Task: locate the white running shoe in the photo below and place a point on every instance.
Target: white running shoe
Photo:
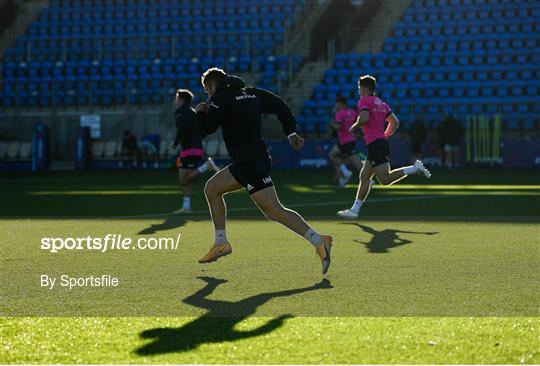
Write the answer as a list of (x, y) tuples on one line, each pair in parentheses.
[(211, 165), (182, 211), (345, 179), (421, 169), (348, 214)]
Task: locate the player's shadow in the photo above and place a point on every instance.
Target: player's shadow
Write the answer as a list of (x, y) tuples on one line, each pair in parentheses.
[(171, 222), (382, 241), (217, 325)]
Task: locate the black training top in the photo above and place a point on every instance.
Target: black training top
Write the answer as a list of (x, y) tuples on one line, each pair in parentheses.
[(187, 131), (238, 110)]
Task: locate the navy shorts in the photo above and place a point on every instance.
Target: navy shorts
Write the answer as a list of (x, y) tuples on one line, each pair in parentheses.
[(254, 175)]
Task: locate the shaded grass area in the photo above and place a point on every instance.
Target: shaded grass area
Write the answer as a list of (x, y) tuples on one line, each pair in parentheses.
[(297, 340), (121, 193)]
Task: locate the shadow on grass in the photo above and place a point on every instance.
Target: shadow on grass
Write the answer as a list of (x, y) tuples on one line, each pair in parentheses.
[(383, 241), (217, 325), (170, 222)]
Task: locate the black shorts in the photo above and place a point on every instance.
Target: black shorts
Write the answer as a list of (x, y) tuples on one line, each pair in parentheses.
[(347, 150), (188, 162), (378, 152), (253, 175)]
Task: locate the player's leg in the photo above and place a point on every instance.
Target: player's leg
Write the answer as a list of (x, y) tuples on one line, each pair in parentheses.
[(269, 203), (364, 186), (218, 185), (334, 157), (345, 151), (356, 162), (185, 184), (387, 177)]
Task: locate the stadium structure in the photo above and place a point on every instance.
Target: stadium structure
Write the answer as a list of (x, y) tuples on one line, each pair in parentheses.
[(115, 65)]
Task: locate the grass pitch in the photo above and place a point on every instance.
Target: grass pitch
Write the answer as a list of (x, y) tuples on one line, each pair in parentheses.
[(440, 271)]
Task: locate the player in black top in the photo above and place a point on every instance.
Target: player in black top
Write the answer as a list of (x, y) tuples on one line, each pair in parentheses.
[(238, 111), (189, 137)]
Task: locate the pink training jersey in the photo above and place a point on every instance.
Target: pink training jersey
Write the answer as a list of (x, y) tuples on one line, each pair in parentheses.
[(346, 118), (378, 111)]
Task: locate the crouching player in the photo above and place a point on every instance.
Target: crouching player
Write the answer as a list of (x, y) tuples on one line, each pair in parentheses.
[(373, 114), (189, 137)]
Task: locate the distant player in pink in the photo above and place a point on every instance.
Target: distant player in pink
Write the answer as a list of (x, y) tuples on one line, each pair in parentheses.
[(344, 152), (373, 116)]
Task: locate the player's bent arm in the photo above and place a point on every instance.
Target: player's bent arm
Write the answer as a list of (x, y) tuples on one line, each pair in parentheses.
[(210, 121), (361, 120), (393, 124), (272, 103)]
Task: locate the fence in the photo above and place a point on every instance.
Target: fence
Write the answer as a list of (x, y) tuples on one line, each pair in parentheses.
[(483, 139)]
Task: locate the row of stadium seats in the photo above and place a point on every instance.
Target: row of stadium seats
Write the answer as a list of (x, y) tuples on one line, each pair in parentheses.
[(145, 47), (15, 150), (60, 30), (433, 43), (527, 25), (433, 68), (474, 61), (133, 82), (110, 150), (155, 30), (419, 5), (138, 69), (435, 90), (227, 6)]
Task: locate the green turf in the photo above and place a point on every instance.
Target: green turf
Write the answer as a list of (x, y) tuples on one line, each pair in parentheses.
[(445, 272)]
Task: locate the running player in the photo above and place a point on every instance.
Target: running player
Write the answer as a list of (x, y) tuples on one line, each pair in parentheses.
[(373, 113), (189, 137), (238, 111), (344, 152)]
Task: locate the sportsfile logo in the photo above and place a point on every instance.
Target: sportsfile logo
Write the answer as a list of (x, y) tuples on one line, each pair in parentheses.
[(108, 242)]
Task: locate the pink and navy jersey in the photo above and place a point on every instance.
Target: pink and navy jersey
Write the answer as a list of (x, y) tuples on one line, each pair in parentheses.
[(378, 111), (346, 118)]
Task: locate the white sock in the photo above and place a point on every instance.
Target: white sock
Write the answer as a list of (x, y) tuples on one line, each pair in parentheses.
[(187, 203), (344, 169), (313, 237), (410, 170), (356, 206), (221, 237), (203, 168)]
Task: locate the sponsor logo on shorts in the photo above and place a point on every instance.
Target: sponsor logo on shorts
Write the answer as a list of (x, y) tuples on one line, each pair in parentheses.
[(267, 180), (249, 187)]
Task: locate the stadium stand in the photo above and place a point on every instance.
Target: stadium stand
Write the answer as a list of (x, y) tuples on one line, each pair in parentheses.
[(137, 52), (447, 56), (15, 151)]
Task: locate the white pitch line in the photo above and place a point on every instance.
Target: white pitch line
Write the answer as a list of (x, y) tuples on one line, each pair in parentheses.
[(297, 205)]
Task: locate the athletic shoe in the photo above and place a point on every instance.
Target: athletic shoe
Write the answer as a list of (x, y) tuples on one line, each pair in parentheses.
[(323, 251), (211, 165), (345, 179), (216, 252), (348, 214), (421, 169), (182, 211)]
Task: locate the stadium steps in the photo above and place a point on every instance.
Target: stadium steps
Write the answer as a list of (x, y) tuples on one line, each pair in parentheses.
[(372, 36), (296, 40), (29, 11), (298, 90)]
